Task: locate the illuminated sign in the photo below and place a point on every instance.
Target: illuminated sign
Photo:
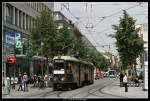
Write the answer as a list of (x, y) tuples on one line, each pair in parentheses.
[(11, 59)]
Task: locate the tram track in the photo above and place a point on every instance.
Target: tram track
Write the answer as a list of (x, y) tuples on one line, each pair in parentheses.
[(91, 91)]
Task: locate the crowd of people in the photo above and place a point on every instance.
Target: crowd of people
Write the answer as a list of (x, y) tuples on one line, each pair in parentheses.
[(40, 81), (137, 79)]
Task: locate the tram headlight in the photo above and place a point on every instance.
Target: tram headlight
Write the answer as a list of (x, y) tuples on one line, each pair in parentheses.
[(62, 79)]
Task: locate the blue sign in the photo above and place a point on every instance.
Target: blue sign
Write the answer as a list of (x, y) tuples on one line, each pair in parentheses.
[(17, 36), (18, 40), (10, 39)]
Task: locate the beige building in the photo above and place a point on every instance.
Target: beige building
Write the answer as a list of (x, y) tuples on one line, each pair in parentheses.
[(143, 33)]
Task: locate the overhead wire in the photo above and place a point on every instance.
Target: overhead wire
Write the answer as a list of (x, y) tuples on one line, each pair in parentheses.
[(104, 17)]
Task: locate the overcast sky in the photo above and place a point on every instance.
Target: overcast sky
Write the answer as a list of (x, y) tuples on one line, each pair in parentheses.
[(101, 15)]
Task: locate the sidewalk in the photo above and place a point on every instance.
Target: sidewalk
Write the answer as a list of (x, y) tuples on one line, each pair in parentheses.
[(133, 92), (31, 91)]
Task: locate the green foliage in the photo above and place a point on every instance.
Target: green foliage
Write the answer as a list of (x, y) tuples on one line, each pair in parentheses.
[(43, 35), (48, 41), (65, 41), (129, 44)]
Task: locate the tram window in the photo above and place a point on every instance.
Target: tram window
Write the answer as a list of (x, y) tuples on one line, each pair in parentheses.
[(58, 66), (68, 68)]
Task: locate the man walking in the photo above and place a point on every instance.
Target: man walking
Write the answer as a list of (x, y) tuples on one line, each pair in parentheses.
[(125, 81), (20, 80), (121, 79)]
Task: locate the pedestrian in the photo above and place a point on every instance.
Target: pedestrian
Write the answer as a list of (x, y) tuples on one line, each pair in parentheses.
[(46, 80), (39, 80), (34, 80), (20, 80), (25, 81), (136, 81), (8, 87), (125, 82), (121, 79)]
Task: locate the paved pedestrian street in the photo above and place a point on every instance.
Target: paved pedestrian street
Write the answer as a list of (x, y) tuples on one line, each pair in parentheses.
[(102, 88)]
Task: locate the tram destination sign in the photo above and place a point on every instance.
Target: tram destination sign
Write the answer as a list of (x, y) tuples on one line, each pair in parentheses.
[(58, 60)]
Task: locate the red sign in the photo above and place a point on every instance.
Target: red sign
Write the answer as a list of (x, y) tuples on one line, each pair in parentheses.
[(11, 59)]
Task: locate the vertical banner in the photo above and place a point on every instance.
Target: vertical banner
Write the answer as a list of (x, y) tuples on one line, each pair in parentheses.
[(10, 39), (18, 40)]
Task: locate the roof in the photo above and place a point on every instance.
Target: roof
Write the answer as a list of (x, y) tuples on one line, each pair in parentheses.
[(71, 58)]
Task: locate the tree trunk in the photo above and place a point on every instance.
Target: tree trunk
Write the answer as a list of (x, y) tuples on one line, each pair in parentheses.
[(47, 67)]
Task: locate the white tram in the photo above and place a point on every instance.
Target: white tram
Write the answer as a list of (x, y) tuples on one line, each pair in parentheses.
[(70, 73)]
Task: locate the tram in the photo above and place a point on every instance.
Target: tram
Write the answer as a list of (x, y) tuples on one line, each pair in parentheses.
[(70, 73)]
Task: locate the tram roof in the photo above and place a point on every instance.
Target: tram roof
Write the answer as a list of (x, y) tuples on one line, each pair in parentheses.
[(71, 58)]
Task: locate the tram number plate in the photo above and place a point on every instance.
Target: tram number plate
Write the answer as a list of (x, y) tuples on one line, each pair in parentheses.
[(59, 72)]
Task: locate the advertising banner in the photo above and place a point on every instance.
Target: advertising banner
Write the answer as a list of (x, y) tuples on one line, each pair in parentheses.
[(10, 39), (18, 40)]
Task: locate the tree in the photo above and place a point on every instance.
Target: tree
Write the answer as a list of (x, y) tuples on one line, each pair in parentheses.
[(43, 36), (129, 44), (65, 41)]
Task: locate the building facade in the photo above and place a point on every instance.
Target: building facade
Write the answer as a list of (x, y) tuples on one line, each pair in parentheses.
[(143, 59), (18, 20)]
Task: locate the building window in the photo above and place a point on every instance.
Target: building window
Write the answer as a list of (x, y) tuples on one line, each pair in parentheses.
[(146, 56), (26, 22), (23, 20), (16, 17), (145, 27), (30, 25), (8, 17), (40, 6), (20, 19)]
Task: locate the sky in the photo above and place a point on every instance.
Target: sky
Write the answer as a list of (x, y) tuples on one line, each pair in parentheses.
[(95, 19)]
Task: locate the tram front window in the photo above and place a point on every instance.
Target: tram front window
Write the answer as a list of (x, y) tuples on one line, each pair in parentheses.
[(58, 66)]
